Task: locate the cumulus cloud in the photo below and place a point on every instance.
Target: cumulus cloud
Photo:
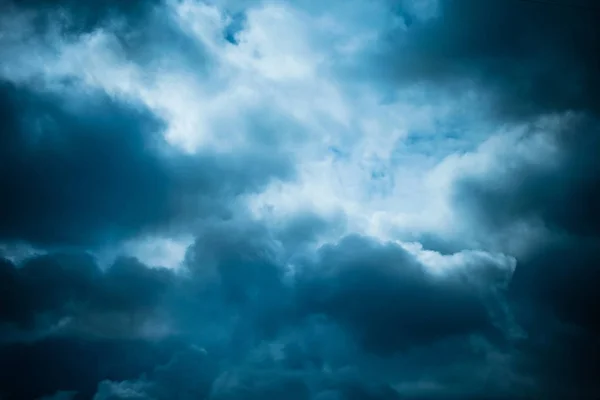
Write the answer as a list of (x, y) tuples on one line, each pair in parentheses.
[(538, 201), (100, 170), (69, 292), (298, 200), (527, 58)]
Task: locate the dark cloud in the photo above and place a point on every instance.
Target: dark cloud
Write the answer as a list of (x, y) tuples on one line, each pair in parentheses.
[(82, 169), (76, 169), (66, 324), (261, 309), (562, 192), (563, 275), (43, 368), (374, 289), (562, 197), (81, 17), (255, 386), (70, 290), (318, 362), (255, 329), (189, 374), (528, 57), (554, 289)]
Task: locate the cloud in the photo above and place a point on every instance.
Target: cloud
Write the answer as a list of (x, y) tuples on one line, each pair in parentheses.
[(98, 168), (342, 200), (260, 323), (534, 197), (68, 292), (43, 368), (373, 289), (554, 170), (544, 60), (77, 17), (60, 396), (82, 160)]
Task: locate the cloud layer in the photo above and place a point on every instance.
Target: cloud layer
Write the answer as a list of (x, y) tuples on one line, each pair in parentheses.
[(299, 200)]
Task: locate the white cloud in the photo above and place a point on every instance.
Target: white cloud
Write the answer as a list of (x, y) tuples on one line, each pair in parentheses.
[(166, 252)]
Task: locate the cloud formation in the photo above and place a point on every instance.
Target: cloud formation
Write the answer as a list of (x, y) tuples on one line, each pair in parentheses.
[(298, 200)]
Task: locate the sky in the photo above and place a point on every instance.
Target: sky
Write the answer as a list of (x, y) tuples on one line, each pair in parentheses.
[(299, 200)]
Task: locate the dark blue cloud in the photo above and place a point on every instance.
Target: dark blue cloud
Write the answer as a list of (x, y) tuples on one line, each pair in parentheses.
[(82, 17), (373, 289), (85, 169), (237, 305), (292, 307), (554, 290), (32, 370), (43, 291), (77, 169), (564, 196), (528, 57)]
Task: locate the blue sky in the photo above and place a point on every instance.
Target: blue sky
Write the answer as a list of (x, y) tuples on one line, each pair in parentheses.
[(240, 199)]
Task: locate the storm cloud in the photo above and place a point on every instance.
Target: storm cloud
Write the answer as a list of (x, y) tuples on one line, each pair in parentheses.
[(526, 58), (299, 200)]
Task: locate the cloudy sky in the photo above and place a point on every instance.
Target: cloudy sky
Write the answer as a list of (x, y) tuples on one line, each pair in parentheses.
[(299, 199)]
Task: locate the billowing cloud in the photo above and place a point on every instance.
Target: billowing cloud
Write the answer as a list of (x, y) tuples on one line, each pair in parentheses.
[(64, 292), (298, 200), (99, 169), (528, 58), (540, 201), (372, 288)]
